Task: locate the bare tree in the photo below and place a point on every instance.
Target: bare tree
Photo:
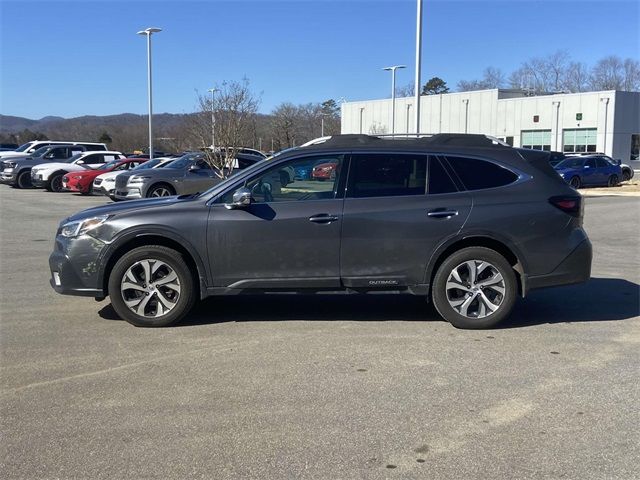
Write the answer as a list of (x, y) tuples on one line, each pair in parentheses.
[(576, 77), (608, 74), (284, 125), (492, 77), (377, 129), (234, 107), (555, 66), (631, 75), (405, 91)]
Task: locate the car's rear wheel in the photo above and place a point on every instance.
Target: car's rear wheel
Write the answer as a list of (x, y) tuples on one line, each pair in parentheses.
[(24, 180), (161, 190), (575, 182), (612, 181), (152, 286), (55, 183), (475, 288)]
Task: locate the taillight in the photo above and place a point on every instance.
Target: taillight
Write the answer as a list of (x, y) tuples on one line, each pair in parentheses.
[(571, 205)]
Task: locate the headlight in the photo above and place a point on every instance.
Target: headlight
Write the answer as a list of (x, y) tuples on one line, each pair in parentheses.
[(9, 164), (138, 179), (80, 227)]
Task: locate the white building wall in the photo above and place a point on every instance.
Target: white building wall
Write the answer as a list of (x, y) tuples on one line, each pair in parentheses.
[(615, 115)]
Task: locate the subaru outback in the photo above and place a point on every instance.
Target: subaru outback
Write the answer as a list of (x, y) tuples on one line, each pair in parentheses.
[(462, 220)]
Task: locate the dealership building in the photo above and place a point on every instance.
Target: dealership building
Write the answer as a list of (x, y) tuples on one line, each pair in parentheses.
[(607, 121)]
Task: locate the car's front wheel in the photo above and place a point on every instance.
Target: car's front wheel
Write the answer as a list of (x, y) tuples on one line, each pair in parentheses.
[(475, 288), (152, 286), (161, 190), (626, 175), (55, 183), (575, 182), (24, 180)]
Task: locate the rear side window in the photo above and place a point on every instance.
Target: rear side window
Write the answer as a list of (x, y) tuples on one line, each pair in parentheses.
[(385, 175), (94, 159), (439, 179), (478, 174)]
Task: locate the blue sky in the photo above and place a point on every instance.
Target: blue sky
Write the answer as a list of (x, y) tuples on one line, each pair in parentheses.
[(83, 57)]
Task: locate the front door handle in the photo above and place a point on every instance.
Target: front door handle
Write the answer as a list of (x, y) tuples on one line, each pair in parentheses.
[(442, 213), (323, 218)]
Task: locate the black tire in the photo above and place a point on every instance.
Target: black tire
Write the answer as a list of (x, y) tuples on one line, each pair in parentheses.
[(24, 180), (160, 189), (506, 301), (626, 175), (612, 181), (186, 279), (55, 183), (575, 182)]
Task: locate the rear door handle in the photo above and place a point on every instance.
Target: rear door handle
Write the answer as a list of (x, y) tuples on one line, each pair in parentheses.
[(442, 213), (323, 218)]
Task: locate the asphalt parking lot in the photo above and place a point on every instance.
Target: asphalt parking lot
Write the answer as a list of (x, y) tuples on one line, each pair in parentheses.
[(336, 387)]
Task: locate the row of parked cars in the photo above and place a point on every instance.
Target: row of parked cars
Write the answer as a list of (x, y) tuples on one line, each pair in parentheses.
[(89, 168)]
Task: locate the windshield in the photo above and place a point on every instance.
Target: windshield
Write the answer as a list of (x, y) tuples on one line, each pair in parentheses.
[(109, 166), (41, 151), (24, 147), (234, 178), (571, 163), (181, 162)]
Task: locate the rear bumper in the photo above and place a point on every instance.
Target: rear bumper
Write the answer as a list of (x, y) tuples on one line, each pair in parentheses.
[(575, 268)]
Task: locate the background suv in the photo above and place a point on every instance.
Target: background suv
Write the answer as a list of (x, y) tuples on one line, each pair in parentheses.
[(49, 175), (27, 149), (458, 219), (16, 171), (188, 174)]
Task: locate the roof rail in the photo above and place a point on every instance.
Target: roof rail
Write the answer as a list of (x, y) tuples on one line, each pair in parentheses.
[(455, 139)]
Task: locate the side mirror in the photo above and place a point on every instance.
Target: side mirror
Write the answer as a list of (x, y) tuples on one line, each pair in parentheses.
[(618, 161), (80, 162), (241, 199), (194, 168)]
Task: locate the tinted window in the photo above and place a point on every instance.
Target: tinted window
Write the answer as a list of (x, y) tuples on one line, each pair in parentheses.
[(591, 163), (478, 174), (601, 162), (203, 164), (93, 159), (384, 175), (439, 179)]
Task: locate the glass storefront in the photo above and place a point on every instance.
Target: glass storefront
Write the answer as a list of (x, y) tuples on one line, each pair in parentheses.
[(536, 139), (579, 140)]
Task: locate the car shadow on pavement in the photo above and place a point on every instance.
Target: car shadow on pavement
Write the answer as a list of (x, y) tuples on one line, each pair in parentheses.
[(600, 299)]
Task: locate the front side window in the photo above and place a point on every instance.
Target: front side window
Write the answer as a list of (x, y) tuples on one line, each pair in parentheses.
[(385, 175), (282, 184), (479, 174)]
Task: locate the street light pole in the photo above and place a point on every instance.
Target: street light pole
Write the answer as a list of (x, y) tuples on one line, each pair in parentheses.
[(416, 87), (213, 122), (148, 32), (393, 95)]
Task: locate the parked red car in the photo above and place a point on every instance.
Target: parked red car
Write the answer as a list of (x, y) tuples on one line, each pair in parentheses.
[(324, 171), (83, 181)]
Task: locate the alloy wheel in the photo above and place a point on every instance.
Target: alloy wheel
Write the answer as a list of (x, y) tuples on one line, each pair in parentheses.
[(150, 288), (161, 192), (475, 289)]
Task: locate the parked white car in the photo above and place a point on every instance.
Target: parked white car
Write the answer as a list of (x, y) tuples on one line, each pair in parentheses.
[(105, 184), (49, 175), (27, 149)]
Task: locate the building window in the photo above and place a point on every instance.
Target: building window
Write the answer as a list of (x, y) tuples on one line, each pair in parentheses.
[(536, 139), (635, 147), (579, 140)]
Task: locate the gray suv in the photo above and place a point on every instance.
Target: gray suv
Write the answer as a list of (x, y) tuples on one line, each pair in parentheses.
[(461, 220), (187, 174), (16, 171)]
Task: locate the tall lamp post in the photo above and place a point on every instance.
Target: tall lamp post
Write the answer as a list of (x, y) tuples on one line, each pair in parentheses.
[(416, 87), (393, 69), (148, 32), (213, 122)]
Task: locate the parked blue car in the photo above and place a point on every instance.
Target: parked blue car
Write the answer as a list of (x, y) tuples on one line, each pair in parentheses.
[(589, 170)]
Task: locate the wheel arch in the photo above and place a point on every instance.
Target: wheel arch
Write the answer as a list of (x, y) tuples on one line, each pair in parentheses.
[(158, 184), (169, 240), (502, 246)]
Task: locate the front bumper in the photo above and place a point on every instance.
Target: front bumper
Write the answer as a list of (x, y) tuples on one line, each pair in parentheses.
[(37, 180), (8, 176), (575, 268), (128, 193), (74, 266)]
